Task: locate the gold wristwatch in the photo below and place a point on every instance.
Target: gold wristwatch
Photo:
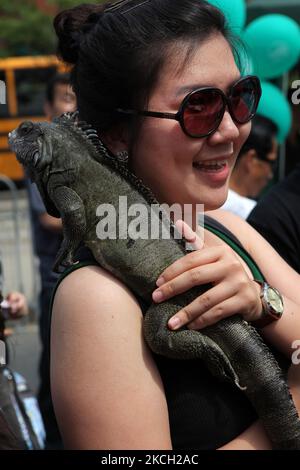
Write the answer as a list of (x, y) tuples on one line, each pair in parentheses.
[(272, 305)]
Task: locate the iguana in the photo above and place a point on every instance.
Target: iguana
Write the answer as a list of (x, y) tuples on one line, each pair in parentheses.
[(75, 173)]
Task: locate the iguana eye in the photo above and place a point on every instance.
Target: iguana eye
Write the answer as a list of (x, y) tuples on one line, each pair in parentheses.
[(25, 128)]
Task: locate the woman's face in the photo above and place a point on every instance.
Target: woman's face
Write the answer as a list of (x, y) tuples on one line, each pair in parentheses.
[(178, 168)]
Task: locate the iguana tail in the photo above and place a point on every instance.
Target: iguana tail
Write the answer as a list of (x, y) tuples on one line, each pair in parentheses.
[(233, 349)]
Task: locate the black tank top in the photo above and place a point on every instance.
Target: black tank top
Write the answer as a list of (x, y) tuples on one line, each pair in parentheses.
[(204, 413)]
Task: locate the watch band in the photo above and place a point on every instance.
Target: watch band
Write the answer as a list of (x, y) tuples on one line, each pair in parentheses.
[(264, 320)]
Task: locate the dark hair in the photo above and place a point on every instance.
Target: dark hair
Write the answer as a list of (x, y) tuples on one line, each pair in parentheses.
[(57, 79), (118, 54), (261, 137)]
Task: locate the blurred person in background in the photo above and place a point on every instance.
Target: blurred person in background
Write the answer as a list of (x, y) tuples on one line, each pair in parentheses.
[(277, 218), (277, 214), (21, 426), (60, 98), (15, 302), (293, 140), (254, 168), (47, 237), (14, 305)]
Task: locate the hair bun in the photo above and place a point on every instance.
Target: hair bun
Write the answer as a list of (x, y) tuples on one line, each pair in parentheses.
[(70, 25)]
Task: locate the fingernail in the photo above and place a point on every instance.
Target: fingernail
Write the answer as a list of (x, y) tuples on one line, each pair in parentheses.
[(160, 281), (174, 323), (157, 296)]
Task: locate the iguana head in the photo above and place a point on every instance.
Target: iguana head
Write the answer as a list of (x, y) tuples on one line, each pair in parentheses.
[(41, 145), (29, 142), (33, 144), (48, 149)]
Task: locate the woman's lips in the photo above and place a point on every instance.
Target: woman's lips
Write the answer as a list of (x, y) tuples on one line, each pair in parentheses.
[(216, 171), (211, 165)]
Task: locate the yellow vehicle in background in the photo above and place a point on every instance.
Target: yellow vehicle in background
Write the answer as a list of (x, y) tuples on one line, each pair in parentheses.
[(25, 81)]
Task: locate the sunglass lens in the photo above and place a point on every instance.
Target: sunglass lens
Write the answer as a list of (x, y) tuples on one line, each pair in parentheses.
[(202, 112), (244, 100)]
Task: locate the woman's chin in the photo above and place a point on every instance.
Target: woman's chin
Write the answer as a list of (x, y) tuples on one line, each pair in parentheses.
[(216, 201), (211, 208)]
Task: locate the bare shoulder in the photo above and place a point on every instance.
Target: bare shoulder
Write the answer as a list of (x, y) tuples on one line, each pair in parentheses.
[(91, 303), (100, 364), (238, 226), (91, 300), (82, 289)]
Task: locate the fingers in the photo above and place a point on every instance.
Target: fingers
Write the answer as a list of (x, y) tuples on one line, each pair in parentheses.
[(208, 308), (220, 302), (209, 273), (219, 312), (190, 236), (191, 260), (232, 293)]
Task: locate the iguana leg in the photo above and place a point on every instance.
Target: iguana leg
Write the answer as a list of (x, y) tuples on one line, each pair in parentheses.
[(72, 212)]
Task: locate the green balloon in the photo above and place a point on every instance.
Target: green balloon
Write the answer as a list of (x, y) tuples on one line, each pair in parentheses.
[(275, 106), (235, 12), (274, 42)]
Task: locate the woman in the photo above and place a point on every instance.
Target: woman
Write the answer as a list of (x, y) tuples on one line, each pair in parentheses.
[(149, 55)]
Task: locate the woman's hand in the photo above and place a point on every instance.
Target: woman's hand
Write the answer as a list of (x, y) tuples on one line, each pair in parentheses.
[(232, 291)]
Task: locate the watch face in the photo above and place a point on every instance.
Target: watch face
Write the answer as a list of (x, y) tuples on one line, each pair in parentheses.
[(275, 300)]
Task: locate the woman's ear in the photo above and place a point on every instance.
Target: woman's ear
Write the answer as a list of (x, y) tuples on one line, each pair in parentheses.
[(117, 139)]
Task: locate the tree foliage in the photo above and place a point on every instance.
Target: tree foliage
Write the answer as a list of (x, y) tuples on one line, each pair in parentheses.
[(26, 29)]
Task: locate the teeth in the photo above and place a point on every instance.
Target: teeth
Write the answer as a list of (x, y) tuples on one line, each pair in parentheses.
[(212, 163), (211, 166)]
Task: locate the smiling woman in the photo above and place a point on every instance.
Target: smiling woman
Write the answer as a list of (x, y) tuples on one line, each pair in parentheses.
[(168, 56)]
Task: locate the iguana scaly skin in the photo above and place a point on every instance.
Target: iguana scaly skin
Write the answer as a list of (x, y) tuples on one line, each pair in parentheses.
[(75, 174)]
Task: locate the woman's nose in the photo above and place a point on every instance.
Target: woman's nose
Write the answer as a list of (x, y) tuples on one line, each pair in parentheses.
[(226, 132)]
